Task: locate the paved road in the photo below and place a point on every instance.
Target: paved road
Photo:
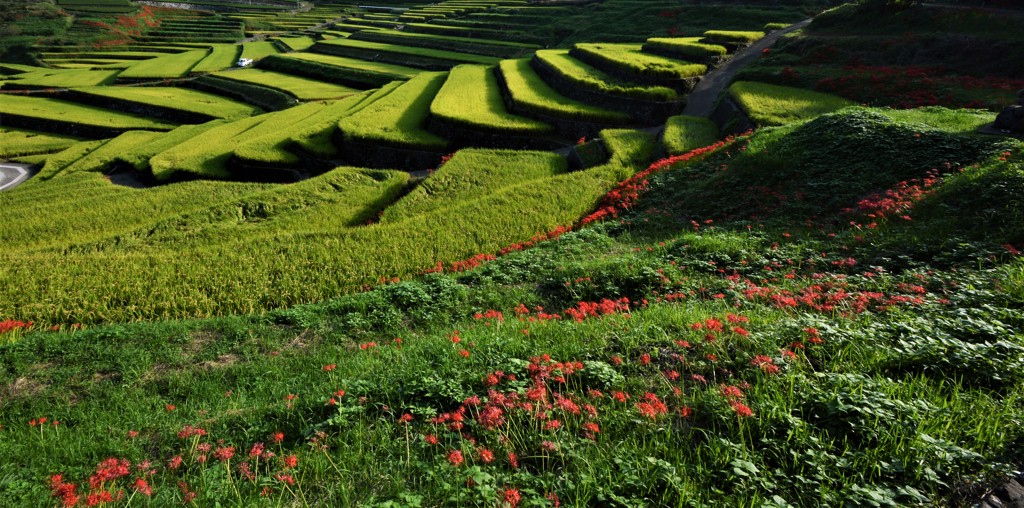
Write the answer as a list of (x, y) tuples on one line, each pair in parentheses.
[(702, 99), (13, 174)]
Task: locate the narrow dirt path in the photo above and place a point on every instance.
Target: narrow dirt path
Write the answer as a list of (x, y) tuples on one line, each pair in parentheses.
[(702, 99), (11, 175)]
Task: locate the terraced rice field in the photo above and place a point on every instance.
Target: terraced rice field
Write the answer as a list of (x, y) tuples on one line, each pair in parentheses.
[(471, 98), (302, 88)]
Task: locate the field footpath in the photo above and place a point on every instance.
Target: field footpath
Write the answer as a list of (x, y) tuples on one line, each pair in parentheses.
[(11, 175), (702, 99)]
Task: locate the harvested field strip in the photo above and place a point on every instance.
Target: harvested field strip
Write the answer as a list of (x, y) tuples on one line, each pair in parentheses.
[(182, 99), (397, 119), (222, 56), (531, 93), (206, 159), (17, 142), (470, 174), (777, 105), (365, 47), (203, 275), (53, 78), (302, 88), (627, 58), (471, 98), (170, 66), (583, 75), (45, 109), (317, 137)]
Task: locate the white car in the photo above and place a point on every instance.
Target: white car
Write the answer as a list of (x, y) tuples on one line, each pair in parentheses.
[(244, 62)]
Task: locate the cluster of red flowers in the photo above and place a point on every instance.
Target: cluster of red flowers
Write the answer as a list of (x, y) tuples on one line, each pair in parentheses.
[(627, 192), (911, 87), (895, 202), (103, 483), (11, 324), (583, 310)]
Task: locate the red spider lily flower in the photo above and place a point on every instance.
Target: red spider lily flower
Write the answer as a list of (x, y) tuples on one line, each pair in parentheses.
[(620, 396), (463, 353), (174, 462), (170, 407), (730, 392), (430, 439), (616, 360), (285, 478), (406, 418), (765, 363), (257, 450), (64, 491), (511, 498), (553, 425), (277, 437), (741, 409), (685, 411), (513, 460), (486, 456), (142, 486), (645, 359), (132, 434), (549, 446), (108, 470), (455, 457), (98, 498), (291, 462), (330, 367), (224, 454), (553, 498)]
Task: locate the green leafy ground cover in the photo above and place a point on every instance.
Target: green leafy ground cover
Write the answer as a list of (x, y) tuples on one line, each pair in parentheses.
[(681, 352), (471, 98), (905, 58)]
